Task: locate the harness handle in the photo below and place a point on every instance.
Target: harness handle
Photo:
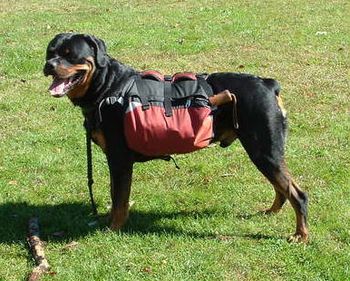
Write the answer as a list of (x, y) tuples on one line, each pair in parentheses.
[(225, 97)]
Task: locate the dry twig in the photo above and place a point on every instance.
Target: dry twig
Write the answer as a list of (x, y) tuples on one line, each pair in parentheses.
[(37, 248)]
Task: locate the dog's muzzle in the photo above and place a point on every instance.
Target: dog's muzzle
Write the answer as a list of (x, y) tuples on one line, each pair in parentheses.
[(50, 66)]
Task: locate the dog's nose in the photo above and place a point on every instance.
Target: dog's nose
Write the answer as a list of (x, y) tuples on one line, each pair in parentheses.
[(49, 68)]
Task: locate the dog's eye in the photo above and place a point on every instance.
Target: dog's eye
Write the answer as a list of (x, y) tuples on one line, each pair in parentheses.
[(50, 53), (64, 52), (69, 54)]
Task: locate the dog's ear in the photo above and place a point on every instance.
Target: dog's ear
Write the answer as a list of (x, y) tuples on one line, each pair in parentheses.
[(99, 48)]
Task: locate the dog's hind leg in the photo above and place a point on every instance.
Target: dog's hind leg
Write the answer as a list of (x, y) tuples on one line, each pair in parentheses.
[(277, 204), (285, 185), (271, 164)]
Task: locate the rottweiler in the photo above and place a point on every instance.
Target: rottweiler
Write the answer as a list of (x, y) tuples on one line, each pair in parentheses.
[(82, 70)]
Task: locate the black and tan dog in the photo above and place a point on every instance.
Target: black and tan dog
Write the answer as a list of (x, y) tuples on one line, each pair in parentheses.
[(82, 70)]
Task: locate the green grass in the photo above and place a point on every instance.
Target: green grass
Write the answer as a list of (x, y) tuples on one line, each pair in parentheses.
[(199, 222)]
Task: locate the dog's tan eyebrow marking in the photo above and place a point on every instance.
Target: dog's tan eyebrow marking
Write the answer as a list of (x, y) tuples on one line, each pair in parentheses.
[(66, 51)]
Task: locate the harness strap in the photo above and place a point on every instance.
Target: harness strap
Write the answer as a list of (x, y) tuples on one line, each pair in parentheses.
[(90, 180), (167, 99), (205, 85), (142, 97)]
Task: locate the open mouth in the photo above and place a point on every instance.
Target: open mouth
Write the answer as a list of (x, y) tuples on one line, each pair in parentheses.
[(61, 86)]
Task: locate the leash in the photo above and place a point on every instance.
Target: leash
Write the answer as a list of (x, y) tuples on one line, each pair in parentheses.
[(90, 180)]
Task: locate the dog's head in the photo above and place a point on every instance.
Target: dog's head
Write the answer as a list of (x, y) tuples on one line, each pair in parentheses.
[(71, 60)]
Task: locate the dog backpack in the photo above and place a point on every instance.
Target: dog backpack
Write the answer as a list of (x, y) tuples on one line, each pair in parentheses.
[(169, 115)]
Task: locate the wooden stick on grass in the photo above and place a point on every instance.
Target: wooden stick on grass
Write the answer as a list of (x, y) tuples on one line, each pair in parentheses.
[(37, 248)]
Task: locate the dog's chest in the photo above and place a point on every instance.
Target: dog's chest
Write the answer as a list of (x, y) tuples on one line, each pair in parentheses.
[(98, 137)]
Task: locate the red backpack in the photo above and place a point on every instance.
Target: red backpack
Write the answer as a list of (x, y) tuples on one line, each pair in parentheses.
[(167, 115)]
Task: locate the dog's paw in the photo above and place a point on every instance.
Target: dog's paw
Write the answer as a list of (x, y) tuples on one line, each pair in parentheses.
[(269, 211), (115, 226), (119, 217), (298, 238)]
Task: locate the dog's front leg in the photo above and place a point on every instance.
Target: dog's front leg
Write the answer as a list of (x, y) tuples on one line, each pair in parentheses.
[(121, 177), (120, 192)]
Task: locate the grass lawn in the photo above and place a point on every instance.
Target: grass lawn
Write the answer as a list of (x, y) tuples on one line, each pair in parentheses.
[(199, 222)]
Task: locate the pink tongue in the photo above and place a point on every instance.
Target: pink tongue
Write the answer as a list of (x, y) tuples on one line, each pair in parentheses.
[(58, 86)]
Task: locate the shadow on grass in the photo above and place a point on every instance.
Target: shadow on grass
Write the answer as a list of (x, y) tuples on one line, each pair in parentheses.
[(153, 222), (71, 221), (63, 221), (141, 222)]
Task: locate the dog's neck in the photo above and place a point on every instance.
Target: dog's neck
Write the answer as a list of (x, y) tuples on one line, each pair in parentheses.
[(107, 81)]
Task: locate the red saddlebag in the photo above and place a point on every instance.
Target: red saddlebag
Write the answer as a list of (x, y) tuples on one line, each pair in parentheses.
[(167, 117)]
